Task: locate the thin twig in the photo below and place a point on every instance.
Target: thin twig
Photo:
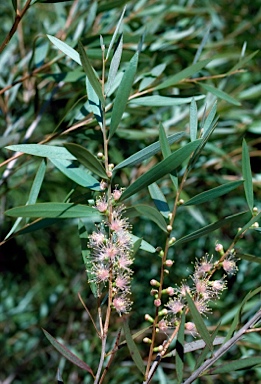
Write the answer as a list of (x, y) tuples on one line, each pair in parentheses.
[(224, 348)]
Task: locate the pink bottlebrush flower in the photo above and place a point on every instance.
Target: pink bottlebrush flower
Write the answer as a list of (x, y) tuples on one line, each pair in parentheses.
[(102, 273), (116, 194), (174, 306), (203, 266), (202, 306), (229, 266), (122, 282), (202, 288), (217, 287), (109, 252), (97, 239), (124, 261), (121, 304)]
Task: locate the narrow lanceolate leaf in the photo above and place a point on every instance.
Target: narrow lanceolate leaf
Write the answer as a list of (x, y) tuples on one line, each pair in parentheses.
[(180, 349), (163, 101), (247, 256), (248, 225), (147, 152), (65, 48), (210, 119), (193, 120), (55, 210), (243, 62), (211, 227), (214, 193), (77, 174), (200, 325), (88, 69), (150, 212), (144, 245), (221, 94), (123, 93), (248, 362), (86, 255), (247, 175), (134, 352), (87, 159), (237, 316), (166, 151), (43, 151), (67, 353), (168, 165), (185, 73), (94, 104), (114, 36), (115, 62), (159, 199), (33, 195)]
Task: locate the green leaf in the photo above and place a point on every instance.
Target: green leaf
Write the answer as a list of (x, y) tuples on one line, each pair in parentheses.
[(163, 101), (180, 349), (193, 120), (248, 225), (49, 151), (237, 316), (55, 210), (185, 73), (221, 94), (147, 152), (209, 120), (134, 352), (67, 354), (211, 227), (77, 174), (159, 199), (88, 69), (114, 36), (213, 193), (14, 2), (94, 104), (166, 151), (247, 175), (123, 93), (168, 165), (234, 365), (247, 256), (200, 325), (115, 62), (65, 48), (83, 235), (87, 159), (242, 62), (145, 246), (150, 212), (33, 195), (164, 143)]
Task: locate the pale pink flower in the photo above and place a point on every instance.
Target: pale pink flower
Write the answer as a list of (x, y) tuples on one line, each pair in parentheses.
[(202, 306), (229, 266), (102, 274), (121, 304), (109, 252), (203, 266), (174, 306), (122, 282), (116, 194)]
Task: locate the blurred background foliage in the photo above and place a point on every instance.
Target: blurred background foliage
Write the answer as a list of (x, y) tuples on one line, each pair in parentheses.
[(43, 99)]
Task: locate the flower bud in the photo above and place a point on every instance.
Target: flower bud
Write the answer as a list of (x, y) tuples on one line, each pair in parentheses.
[(149, 318), (157, 302), (169, 228)]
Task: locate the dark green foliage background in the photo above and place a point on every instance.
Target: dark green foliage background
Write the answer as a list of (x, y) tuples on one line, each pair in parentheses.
[(42, 272)]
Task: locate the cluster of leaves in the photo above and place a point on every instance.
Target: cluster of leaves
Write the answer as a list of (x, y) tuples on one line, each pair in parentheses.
[(43, 101)]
